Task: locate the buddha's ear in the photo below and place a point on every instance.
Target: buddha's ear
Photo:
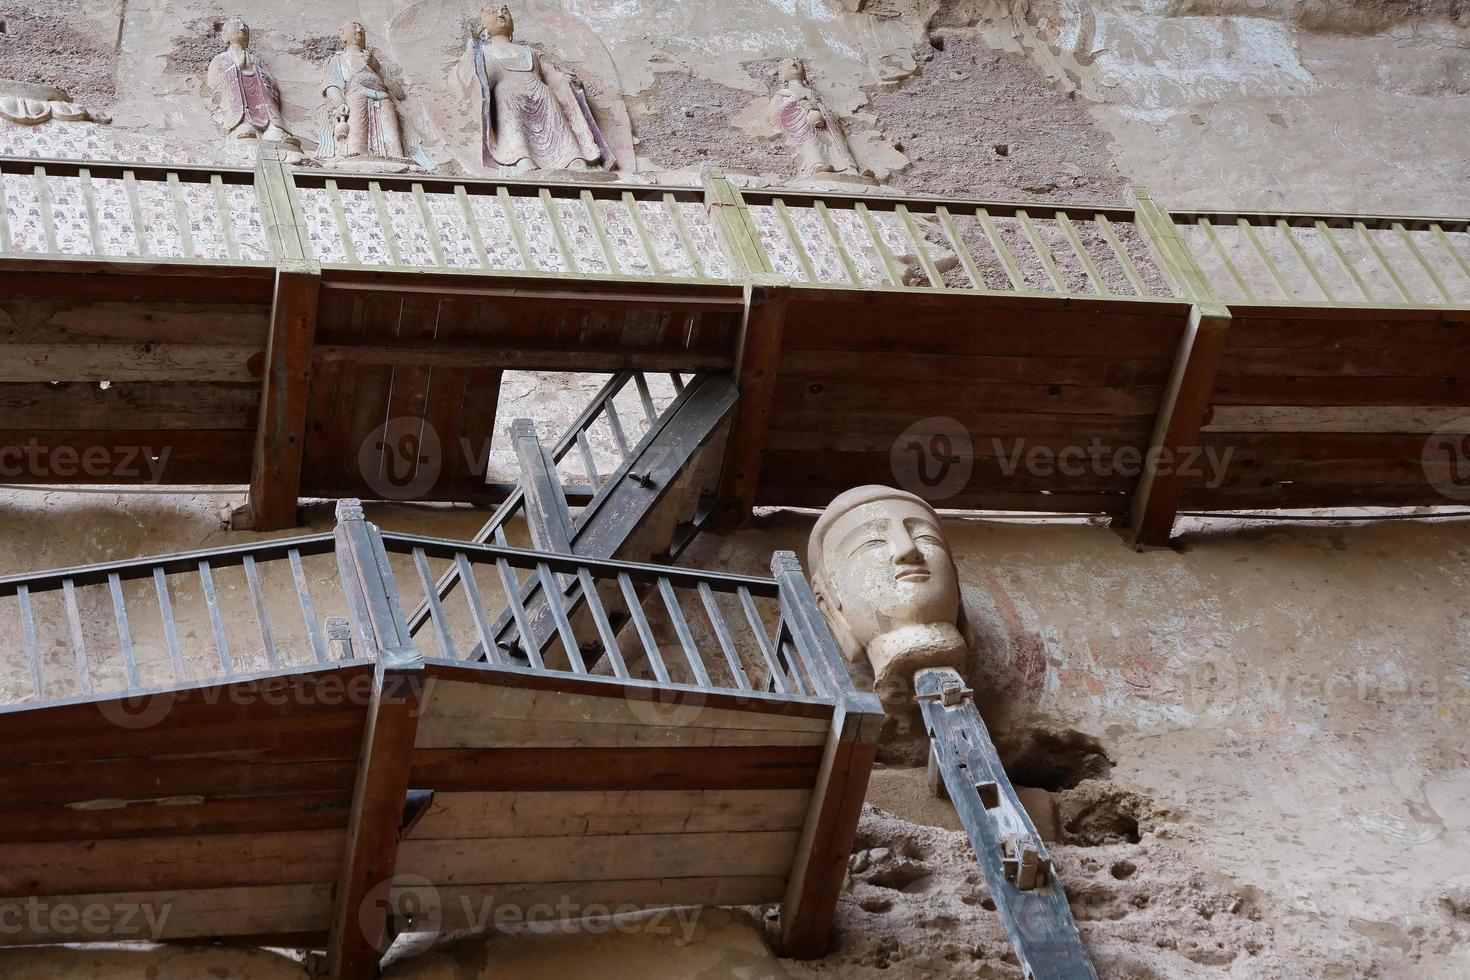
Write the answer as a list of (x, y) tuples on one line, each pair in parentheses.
[(831, 608)]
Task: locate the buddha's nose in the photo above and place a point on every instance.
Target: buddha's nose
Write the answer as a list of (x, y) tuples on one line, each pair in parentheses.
[(905, 550)]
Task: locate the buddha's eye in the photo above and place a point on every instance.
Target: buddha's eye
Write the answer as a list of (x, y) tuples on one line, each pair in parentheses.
[(869, 545)]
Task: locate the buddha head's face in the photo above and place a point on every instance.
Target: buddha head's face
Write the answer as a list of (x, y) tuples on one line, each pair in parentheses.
[(354, 35), (880, 563), (498, 21), (792, 71), (237, 32)]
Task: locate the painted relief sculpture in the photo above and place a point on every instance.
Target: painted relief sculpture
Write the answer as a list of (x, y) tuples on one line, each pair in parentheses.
[(885, 581), (30, 105), (363, 128), (813, 130), (534, 115), (247, 102)]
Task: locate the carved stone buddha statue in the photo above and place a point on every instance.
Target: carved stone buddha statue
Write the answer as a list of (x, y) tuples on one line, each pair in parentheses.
[(886, 583), (813, 130), (363, 116), (534, 114), (247, 102)]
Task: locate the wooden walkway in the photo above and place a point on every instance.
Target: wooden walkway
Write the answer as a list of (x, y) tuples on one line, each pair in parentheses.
[(327, 782), (263, 326)]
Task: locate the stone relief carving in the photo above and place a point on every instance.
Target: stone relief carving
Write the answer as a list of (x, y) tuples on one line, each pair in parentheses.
[(886, 582), (247, 102), (364, 129), (31, 105), (534, 114), (814, 131)]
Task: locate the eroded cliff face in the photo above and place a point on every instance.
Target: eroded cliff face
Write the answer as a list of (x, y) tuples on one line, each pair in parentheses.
[(1250, 749)]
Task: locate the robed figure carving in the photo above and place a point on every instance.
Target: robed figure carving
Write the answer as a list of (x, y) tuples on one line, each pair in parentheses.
[(247, 102), (813, 130), (363, 115), (533, 114)]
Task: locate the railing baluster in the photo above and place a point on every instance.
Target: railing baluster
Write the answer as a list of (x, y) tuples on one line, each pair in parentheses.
[(308, 608), (681, 630), (1444, 293), (791, 656), (472, 224), (992, 235), (551, 592), (599, 228), (563, 244), (634, 212), (48, 218), (614, 423), (89, 197), (681, 228), (78, 641), (181, 215), (875, 232), (1393, 276), (1224, 256), (645, 398), (768, 652), (605, 632), (921, 247), (477, 607), (507, 206), (436, 611), (645, 632), (216, 622), (431, 229), (1306, 260), (385, 223), (849, 268), (339, 215), (140, 232), (262, 615), (170, 630), (594, 479), (1342, 257), (226, 217), (1270, 263), (1449, 246), (512, 585), (796, 243), (1042, 252), (678, 381), (957, 242), (1124, 259), (5, 242), (124, 634), (28, 632), (1088, 266), (723, 637)]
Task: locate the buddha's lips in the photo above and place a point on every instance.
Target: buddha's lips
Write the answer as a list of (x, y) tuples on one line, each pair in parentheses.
[(911, 575)]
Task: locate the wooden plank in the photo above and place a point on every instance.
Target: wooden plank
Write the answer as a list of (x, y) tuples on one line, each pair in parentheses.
[(875, 234), (431, 229), (89, 197), (48, 218), (154, 863), (189, 363), (181, 215), (281, 436), (1181, 415), (734, 227), (344, 231), (1429, 272), (1336, 418), (757, 358), (1042, 251), (174, 816), (124, 633), (1342, 256), (1267, 260), (5, 241), (636, 217), (472, 223), (603, 814), (1383, 262), (681, 228), (78, 638), (28, 633), (599, 227), (1124, 259), (385, 223), (464, 732), (507, 207), (794, 236), (589, 858), (370, 852), (559, 233), (1306, 260), (890, 366), (622, 768), (1225, 260), (226, 217), (143, 405), (1088, 266)]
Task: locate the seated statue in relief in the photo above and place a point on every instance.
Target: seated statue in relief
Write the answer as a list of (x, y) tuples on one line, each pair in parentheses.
[(28, 104), (886, 584), (534, 115), (247, 102)]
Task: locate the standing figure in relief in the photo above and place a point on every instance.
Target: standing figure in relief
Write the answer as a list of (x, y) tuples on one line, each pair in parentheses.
[(248, 104), (813, 130), (361, 106), (534, 115)]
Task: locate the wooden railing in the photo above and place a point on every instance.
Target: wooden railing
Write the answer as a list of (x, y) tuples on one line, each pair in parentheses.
[(129, 625), (718, 232)]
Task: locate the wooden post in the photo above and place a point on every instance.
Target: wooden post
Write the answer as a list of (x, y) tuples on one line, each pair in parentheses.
[(1168, 248), (734, 226), (280, 434), (757, 360), (1177, 429), (842, 781), (362, 901)]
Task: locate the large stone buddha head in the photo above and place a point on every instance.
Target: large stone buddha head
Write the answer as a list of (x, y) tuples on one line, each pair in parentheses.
[(498, 22), (886, 583)]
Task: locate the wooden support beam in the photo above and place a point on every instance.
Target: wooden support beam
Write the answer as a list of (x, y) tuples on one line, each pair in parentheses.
[(757, 358), (280, 434), (1169, 250), (733, 224), (361, 905), (1177, 429)]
